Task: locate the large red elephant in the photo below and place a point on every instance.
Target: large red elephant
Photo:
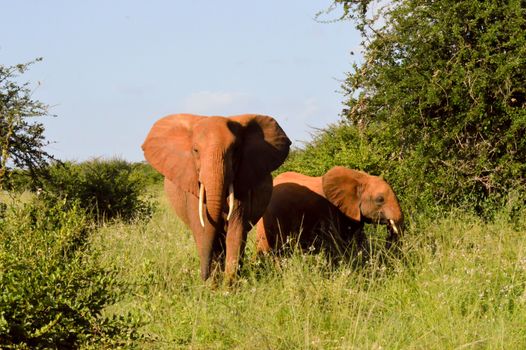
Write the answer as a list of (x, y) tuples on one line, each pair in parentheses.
[(304, 208), (217, 177)]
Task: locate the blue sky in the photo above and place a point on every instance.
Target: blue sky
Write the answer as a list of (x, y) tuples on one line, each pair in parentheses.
[(111, 68)]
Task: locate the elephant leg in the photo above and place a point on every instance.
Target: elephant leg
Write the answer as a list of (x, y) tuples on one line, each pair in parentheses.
[(259, 199), (204, 237), (360, 238), (218, 253), (262, 241), (205, 243), (235, 243), (212, 246), (269, 235)]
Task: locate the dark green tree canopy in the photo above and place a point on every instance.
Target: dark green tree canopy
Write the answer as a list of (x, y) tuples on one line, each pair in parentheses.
[(442, 87), (22, 139)]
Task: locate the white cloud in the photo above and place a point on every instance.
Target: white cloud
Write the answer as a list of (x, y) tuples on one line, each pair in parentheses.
[(219, 103)]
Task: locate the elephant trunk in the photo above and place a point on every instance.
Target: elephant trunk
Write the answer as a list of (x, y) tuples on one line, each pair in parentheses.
[(202, 198), (214, 206), (214, 179), (211, 192), (214, 187)]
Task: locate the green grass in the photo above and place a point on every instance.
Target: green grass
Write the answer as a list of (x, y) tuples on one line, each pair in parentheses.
[(9, 198), (458, 284)]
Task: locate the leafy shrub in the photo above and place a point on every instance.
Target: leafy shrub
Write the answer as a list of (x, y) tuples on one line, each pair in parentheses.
[(342, 144), (53, 291), (419, 184), (437, 105), (106, 189), (338, 144), (147, 173)]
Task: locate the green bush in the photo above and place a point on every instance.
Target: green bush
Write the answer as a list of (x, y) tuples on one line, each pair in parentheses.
[(420, 184), (148, 174), (342, 144), (53, 290), (338, 144), (106, 189), (439, 100)]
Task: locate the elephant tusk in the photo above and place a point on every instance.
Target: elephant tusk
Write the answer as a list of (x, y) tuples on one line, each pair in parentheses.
[(201, 199), (230, 201), (393, 225)]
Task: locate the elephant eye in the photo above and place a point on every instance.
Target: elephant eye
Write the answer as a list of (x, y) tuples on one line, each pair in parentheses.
[(195, 150), (379, 200)]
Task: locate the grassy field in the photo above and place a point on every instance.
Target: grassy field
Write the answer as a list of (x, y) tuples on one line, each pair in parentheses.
[(458, 284)]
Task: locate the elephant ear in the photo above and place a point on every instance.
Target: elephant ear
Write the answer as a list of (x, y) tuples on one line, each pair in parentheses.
[(265, 147), (168, 148), (343, 188)]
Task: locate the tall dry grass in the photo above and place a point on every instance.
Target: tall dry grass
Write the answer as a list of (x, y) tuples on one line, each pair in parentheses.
[(459, 282)]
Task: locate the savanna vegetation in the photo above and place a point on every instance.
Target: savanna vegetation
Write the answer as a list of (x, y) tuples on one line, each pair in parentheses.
[(22, 138), (437, 105), (91, 255)]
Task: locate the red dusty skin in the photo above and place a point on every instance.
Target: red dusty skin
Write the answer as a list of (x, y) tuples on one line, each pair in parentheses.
[(213, 182), (215, 188)]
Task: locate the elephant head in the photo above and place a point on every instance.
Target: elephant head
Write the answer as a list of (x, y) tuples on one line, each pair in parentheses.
[(363, 197), (215, 158)]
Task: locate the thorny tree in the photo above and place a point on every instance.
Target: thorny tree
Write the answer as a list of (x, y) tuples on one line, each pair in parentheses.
[(22, 139), (442, 87)]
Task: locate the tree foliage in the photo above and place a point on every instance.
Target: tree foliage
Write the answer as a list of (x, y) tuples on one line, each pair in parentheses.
[(441, 91), (22, 139)]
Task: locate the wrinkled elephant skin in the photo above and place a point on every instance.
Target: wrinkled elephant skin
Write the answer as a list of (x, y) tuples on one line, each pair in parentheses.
[(303, 208), (217, 177)]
